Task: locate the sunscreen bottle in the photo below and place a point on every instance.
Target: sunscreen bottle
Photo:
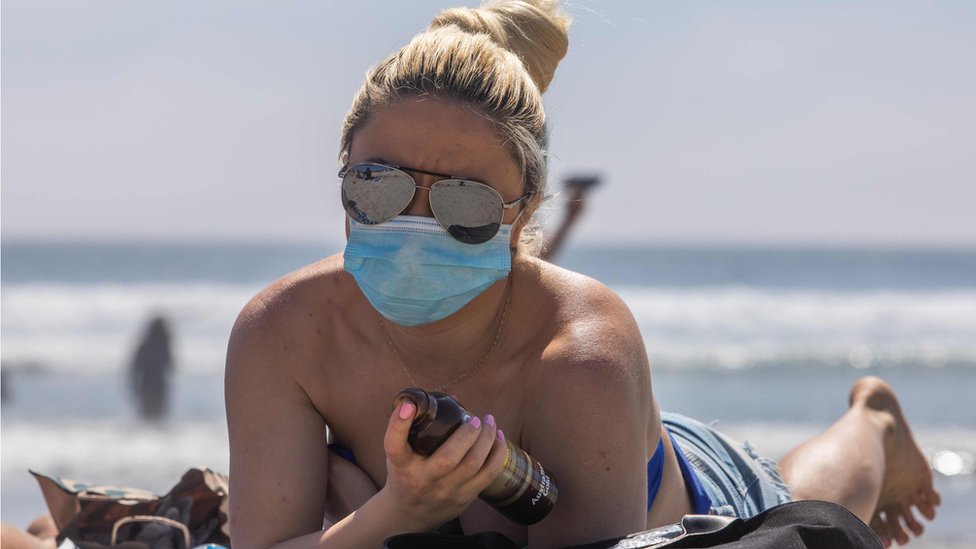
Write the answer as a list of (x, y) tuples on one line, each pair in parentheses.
[(524, 491)]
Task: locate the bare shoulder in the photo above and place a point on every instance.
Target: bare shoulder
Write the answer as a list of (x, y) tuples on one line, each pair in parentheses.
[(276, 429), (594, 350), (288, 311), (597, 335), (289, 320), (589, 411)]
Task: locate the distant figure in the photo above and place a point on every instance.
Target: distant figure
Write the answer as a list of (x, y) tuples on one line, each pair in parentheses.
[(577, 186), (150, 369)]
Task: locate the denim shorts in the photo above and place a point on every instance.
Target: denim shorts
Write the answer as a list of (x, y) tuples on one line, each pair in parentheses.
[(738, 481)]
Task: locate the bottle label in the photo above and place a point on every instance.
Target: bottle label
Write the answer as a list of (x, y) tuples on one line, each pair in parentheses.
[(535, 498), (512, 481), (544, 484)]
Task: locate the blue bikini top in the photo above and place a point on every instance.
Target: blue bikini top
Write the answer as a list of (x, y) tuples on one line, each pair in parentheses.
[(700, 502)]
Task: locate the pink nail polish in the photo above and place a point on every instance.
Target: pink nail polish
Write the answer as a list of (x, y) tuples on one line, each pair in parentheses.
[(490, 420), (406, 410), (437, 416)]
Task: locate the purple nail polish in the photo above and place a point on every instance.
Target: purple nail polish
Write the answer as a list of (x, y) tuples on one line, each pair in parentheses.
[(532, 486), (490, 420)]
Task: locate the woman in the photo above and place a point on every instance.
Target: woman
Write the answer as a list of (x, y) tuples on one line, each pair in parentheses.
[(443, 165)]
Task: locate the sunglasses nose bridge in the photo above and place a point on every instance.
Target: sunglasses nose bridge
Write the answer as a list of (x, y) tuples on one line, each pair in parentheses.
[(420, 203)]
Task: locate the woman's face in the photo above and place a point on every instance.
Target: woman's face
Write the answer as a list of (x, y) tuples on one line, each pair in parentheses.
[(443, 137)]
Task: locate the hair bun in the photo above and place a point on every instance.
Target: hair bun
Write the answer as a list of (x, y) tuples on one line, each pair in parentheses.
[(537, 31)]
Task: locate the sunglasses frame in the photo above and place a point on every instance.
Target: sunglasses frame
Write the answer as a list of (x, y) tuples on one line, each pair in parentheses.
[(443, 177)]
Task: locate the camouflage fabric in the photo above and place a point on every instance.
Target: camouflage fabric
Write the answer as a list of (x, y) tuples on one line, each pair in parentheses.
[(85, 512)]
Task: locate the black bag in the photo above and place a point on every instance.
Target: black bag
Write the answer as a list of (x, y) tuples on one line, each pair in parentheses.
[(805, 524)]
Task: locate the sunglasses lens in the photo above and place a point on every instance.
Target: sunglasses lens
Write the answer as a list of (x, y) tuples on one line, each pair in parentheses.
[(373, 193), (471, 212)]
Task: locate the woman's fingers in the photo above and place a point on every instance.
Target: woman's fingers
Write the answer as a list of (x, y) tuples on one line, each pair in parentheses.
[(395, 443), (461, 468), (448, 457), (492, 464), (475, 458)]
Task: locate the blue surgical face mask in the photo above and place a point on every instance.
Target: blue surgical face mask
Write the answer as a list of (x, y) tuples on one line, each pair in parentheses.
[(413, 272)]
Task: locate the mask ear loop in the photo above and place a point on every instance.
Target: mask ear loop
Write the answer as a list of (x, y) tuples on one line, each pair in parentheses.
[(522, 201), (523, 207), (518, 215), (343, 164)]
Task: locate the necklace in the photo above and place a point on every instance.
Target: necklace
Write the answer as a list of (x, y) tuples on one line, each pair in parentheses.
[(464, 374)]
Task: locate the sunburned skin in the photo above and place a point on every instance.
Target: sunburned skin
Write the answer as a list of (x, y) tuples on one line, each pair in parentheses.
[(568, 380), (310, 352), (869, 462), (907, 481)]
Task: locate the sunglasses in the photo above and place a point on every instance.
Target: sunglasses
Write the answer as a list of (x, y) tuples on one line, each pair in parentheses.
[(470, 211)]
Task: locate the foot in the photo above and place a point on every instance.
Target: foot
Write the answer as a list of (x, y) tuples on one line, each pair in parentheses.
[(43, 527), (907, 481)]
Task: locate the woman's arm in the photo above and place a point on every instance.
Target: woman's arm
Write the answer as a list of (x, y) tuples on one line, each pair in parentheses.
[(278, 454), (590, 427), (348, 489), (279, 458)]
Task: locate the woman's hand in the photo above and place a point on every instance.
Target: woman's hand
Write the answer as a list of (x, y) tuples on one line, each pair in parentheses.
[(430, 491)]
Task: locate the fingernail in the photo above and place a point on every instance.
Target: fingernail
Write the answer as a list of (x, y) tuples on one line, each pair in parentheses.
[(501, 435), (406, 410), (475, 422), (490, 420)]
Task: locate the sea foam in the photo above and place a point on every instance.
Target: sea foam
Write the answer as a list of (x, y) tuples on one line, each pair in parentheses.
[(94, 328)]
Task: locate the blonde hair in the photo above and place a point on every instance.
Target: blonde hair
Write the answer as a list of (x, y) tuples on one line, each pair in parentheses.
[(499, 59)]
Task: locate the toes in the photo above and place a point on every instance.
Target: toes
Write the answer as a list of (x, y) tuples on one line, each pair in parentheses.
[(911, 521), (926, 503), (880, 527), (894, 525)]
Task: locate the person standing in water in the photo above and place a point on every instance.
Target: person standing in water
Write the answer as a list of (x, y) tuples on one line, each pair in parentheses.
[(150, 369)]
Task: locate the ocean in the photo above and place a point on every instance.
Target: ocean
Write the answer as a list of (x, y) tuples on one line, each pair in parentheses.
[(765, 342)]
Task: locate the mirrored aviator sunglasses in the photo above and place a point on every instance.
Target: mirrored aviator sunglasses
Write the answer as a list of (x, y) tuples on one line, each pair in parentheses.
[(470, 211)]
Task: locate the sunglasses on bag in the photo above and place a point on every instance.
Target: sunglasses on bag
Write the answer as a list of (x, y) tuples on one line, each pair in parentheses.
[(470, 211)]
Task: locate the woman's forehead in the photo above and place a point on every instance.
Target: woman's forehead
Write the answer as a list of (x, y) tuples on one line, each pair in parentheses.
[(437, 136)]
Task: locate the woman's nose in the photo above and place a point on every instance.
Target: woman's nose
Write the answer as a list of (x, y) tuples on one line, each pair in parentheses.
[(420, 205)]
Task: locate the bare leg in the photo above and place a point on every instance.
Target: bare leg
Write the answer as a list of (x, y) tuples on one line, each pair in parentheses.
[(868, 462), (38, 536), (43, 527)]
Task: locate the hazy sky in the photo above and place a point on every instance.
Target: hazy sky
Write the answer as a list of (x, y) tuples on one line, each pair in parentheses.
[(754, 122)]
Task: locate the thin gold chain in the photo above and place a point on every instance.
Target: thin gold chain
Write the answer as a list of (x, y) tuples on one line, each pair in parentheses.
[(466, 373)]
